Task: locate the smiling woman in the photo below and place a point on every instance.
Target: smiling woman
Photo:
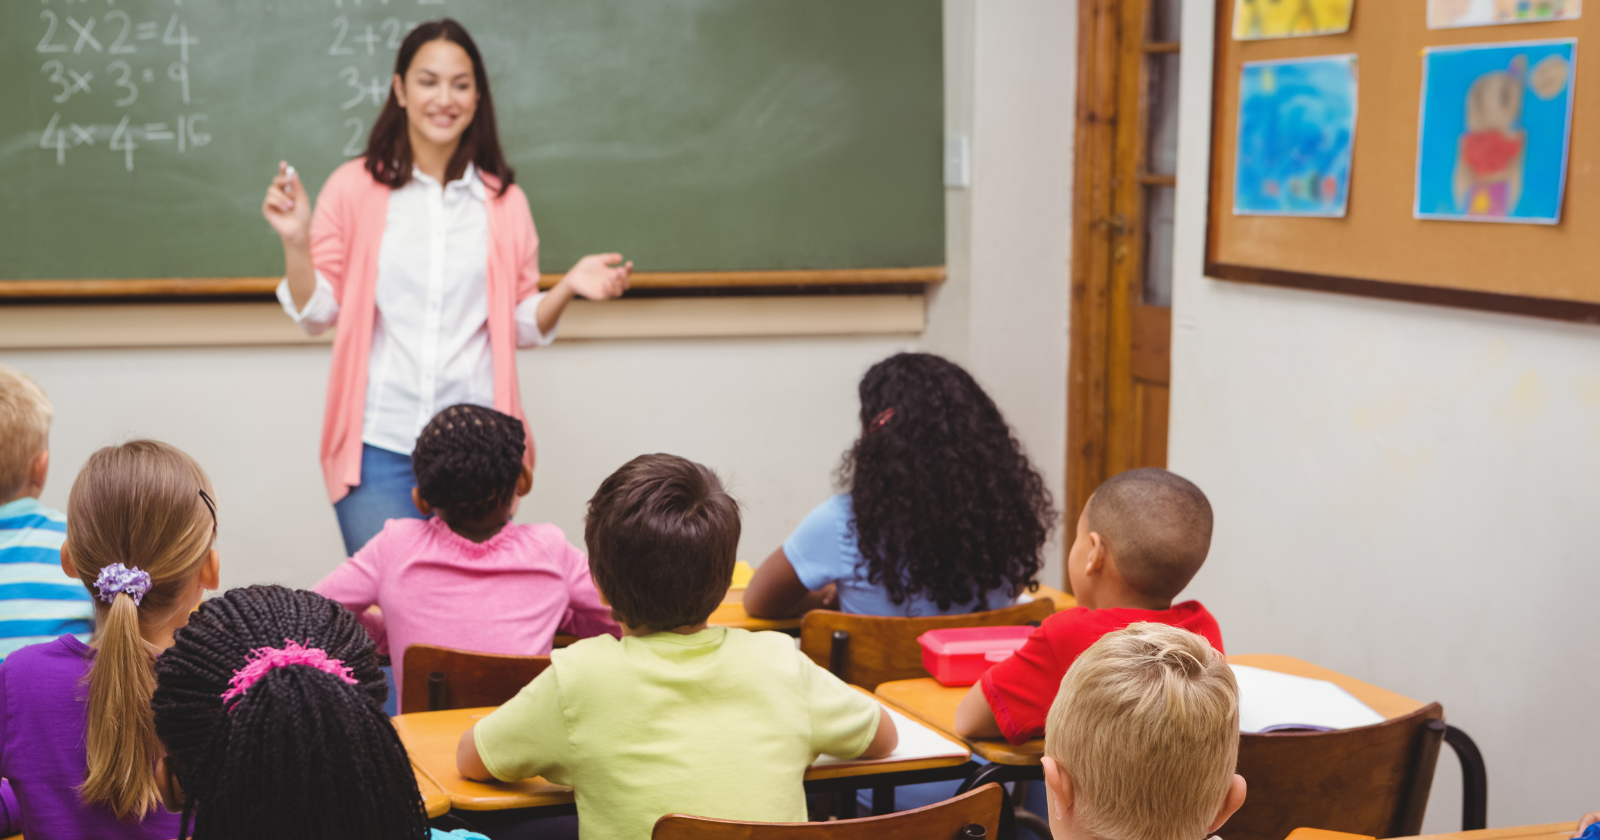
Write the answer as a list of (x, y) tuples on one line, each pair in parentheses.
[(423, 252)]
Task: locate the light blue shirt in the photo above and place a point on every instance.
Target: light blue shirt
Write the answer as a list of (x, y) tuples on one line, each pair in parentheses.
[(823, 550), (38, 603)]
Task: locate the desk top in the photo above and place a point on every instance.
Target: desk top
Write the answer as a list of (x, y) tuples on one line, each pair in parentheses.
[(1383, 701), (1547, 831), (431, 737), (434, 799), (731, 612), (935, 705)]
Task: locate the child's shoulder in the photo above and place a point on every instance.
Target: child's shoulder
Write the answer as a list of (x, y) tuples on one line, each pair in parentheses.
[(29, 512)]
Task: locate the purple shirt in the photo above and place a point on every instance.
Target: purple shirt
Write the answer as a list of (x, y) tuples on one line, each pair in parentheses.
[(44, 701)]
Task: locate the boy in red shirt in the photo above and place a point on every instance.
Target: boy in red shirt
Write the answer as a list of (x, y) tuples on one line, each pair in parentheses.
[(1140, 540)]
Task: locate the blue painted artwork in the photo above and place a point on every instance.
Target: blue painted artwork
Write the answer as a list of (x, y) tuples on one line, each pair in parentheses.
[(1297, 128), (1496, 123)]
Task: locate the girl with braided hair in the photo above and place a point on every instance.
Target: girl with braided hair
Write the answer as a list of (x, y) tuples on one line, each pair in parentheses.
[(76, 736), (270, 707), (519, 584), (941, 512)]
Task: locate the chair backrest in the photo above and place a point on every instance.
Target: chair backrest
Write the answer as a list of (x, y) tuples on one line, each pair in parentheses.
[(947, 820), (1372, 780), (878, 649), (439, 678)]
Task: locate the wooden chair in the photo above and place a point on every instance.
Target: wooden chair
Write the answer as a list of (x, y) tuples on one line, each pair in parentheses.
[(1372, 780), (973, 814), (866, 650), (439, 678)]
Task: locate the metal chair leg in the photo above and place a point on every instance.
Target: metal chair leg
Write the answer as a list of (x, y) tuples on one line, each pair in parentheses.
[(839, 653), (1474, 780)]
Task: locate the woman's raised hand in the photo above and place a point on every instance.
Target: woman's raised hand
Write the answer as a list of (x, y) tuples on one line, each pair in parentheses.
[(288, 206), (599, 276)]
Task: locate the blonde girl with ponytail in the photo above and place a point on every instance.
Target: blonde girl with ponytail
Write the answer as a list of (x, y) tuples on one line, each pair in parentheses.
[(79, 743)]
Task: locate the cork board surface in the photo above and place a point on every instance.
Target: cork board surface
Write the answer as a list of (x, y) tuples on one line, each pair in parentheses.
[(1379, 240)]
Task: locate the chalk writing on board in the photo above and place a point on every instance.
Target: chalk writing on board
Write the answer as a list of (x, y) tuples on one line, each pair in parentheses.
[(119, 78), (77, 42)]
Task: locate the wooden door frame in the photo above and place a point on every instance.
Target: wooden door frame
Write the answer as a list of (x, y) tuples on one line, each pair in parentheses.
[(1094, 231)]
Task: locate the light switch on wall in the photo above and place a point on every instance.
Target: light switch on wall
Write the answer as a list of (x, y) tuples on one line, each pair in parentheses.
[(957, 161)]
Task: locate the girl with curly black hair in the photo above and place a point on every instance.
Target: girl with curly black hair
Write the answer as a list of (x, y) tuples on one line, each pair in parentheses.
[(942, 512), (270, 707), (467, 576)]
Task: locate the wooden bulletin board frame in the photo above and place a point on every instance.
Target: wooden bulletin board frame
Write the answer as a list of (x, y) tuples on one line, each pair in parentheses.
[(1379, 250)]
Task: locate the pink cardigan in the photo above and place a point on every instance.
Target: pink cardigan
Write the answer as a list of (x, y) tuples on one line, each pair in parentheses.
[(346, 233)]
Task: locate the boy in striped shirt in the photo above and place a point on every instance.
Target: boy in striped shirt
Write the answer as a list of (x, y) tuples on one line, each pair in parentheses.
[(39, 602)]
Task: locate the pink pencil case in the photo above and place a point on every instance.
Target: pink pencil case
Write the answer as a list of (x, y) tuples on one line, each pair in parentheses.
[(960, 655)]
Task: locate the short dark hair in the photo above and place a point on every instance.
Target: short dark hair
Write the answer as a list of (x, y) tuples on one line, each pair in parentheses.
[(662, 537), (468, 459), (1158, 525)]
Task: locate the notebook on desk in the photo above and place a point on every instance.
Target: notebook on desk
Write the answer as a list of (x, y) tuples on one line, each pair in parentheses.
[(916, 742), (1270, 701)]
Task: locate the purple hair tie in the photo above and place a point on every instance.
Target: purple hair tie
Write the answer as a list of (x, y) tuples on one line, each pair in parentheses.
[(117, 578), (262, 660)]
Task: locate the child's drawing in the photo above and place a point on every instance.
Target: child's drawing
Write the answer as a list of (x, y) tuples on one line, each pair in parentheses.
[(1495, 124), (1256, 19), (1297, 126), (1445, 14)]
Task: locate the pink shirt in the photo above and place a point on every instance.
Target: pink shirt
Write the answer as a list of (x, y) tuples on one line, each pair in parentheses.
[(509, 595)]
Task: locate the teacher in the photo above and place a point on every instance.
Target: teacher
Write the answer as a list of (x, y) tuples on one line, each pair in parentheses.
[(424, 254)]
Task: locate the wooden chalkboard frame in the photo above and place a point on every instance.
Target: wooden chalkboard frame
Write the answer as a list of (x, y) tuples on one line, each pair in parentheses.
[(1218, 193), (665, 283)]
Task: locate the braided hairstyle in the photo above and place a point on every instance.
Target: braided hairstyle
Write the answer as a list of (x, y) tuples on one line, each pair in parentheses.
[(946, 502), (468, 459), (301, 753)]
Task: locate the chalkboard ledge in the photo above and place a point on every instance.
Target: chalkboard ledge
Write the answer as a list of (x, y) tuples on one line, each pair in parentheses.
[(256, 323), (658, 284)]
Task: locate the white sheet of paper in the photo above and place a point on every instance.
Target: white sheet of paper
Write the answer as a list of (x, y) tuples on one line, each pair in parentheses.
[(1268, 698), (916, 741)]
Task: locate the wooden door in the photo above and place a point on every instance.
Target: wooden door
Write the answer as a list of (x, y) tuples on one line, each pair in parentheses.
[(1127, 142)]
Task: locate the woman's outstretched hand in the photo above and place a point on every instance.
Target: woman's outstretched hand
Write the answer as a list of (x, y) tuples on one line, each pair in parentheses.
[(599, 276), (287, 206)]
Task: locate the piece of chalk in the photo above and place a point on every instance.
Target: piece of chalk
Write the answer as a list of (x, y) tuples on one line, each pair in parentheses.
[(289, 176)]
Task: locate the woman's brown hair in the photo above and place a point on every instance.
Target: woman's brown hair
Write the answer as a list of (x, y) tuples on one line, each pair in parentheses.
[(389, 144), (143, 504)]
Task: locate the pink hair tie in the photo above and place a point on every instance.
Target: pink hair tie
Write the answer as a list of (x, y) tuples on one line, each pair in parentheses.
[(262, 660)]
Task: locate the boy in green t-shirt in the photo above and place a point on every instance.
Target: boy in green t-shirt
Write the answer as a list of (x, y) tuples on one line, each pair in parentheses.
[(674, 717)]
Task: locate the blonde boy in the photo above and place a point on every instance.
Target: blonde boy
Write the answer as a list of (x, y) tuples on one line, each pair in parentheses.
[(1142, 739), (38, 603)]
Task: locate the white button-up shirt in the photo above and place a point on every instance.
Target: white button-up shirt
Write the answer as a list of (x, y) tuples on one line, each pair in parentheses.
[(430, 342)]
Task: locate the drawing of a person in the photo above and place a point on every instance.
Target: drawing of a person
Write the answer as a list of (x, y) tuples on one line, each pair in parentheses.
[(1491, 153)]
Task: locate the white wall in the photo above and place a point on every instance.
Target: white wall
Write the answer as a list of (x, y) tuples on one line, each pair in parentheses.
[(1403, 493), (1010, 84), (772, 415)]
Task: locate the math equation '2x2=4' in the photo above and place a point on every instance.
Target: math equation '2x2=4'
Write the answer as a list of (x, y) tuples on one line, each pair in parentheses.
[(73, 76)]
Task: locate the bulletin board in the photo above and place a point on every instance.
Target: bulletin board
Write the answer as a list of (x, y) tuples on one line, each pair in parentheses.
[(1379, 248)]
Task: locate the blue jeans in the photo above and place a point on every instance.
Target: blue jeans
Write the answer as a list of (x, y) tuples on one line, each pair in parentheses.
[(383, 494)]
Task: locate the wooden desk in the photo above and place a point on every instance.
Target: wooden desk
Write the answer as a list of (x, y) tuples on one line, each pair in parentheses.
[(935, 705), (731, 612), (431, 737), (1548, 831), (1382, 700), (434, 799)]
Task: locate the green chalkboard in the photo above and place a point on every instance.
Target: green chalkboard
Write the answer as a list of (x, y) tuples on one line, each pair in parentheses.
[(138, 136)]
